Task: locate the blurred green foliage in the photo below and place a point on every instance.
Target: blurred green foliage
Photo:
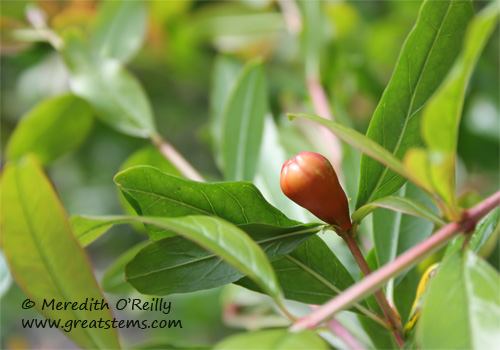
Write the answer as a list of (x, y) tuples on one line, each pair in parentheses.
[(359, 46)]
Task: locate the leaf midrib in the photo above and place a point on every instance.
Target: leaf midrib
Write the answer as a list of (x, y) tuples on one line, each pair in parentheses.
[(168, 199), (211, 255), (45, 259)]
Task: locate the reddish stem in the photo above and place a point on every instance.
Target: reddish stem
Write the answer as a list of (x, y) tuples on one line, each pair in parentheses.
[(388, 311), (402, 263)]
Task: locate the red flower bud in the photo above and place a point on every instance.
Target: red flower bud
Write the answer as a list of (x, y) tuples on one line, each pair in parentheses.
[(310, 181)]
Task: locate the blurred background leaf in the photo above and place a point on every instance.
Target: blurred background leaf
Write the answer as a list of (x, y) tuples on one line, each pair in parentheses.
[(54, 127), (119, 29), (175, 64), (43, 254)]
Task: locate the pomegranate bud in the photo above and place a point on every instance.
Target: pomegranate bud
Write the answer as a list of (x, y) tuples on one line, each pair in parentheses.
[(310, 181)]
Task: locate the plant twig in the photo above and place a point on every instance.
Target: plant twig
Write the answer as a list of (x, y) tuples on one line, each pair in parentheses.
[(402, 263), (379, 295), (368, 313), (291, 14), (177, 160)]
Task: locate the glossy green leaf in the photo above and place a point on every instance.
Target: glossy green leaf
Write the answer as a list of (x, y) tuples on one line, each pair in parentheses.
[(274, 339), (215, 235), (311, 274), (429, 51), (441, 117), (116, 96), (119, 30), (485, 236), (358, 141), (52, 128), (403, 205), (224, 79), (113, 279), (461, 309), (148, 155), (176, 265), (155, 193), (243, 124), (44, 257)]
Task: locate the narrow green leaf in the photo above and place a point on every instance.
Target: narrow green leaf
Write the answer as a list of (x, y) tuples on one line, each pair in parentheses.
[(155, 193), (312, 35), (113, 280), (115, 95), (358, 141), (119, 30), (243, 123), (272, 156), (275, 339), (400, 204), (52, 128), (224, 79), (215, 235), (395, 232), (175, 265), (461, 309), (416, 160), (429, 51), (311, 274), (38, 244), (441, 117)]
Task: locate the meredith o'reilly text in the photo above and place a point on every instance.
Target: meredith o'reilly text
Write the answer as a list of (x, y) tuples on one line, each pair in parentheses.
[(156, 304)]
